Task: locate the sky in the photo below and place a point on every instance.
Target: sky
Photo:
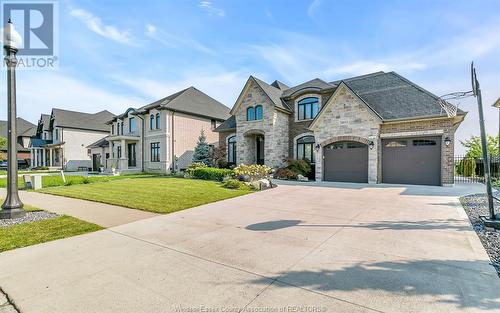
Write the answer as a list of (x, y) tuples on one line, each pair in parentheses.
[(117, 54)]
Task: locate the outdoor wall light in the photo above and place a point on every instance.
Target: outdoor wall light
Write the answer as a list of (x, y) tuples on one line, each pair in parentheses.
[(316, 147), (371, 144), (447, 141)]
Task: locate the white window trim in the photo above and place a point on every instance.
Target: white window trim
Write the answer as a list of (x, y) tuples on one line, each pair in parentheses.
[(295, 142), (296, 105)]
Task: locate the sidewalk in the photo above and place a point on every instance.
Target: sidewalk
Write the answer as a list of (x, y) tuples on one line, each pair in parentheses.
[(104, 215)]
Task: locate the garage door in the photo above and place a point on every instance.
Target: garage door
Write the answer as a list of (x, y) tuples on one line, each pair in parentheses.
[(346, 162), (415, 161)]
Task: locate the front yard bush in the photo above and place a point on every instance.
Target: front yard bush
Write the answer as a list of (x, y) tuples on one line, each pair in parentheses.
[(285, 173), (293, 169), (253, 171), (210, 173), (235, 184)]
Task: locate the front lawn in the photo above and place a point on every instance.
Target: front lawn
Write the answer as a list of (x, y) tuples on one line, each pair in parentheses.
[(27, 234), (56, 180), (154, 194)]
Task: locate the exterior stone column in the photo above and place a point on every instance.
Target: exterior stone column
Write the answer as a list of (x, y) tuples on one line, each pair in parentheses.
[(44, 157), (50, 157), (373, 162), (35, 157), (123, 159), (32, 158), (319, 164)]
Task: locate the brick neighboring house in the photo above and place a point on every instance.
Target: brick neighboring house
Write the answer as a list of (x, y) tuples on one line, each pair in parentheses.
[(25, 130), (62, 138), (160, 136), (375, 128)]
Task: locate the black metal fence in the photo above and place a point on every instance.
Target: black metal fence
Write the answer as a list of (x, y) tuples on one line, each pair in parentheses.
[(471, 170)]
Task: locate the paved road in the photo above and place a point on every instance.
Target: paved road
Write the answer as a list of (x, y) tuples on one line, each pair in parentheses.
[(337, 248), (105, 215)]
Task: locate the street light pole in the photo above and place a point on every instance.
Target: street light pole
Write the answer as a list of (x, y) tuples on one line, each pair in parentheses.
[(12, 206)]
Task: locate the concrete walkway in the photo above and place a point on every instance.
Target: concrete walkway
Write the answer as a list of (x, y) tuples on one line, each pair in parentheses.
[(344, 248), (105, 215)]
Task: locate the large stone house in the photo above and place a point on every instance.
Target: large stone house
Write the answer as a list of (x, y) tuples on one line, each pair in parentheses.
[(374, 128), (160, 136), (62, 138)]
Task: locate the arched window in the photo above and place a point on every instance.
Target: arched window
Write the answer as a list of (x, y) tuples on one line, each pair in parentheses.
[(307, 108), (157, 120), (305, 148), (131, 124), (258, 112), (231, 150), (250, 114), (151, 121)]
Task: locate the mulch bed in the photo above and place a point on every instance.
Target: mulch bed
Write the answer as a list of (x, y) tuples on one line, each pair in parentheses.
[(31, 216), (476, 206)]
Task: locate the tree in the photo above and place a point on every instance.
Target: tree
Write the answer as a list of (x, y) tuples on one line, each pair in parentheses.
[(474, 148), (202, 150), (3, 142)]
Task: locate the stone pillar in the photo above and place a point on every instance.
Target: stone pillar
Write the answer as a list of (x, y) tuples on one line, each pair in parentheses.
[(32, 158), (50, 157), (319, 164), (123, 162), (373, 162), (44, 157)]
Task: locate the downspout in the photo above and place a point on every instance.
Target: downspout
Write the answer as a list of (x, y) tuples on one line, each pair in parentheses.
[(173, 142), (142, 141)]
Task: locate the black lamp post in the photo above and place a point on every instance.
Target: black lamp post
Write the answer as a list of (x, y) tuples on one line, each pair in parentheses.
[(12, 206)]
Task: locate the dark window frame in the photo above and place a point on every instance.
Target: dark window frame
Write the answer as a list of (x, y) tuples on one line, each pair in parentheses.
[(231, 146), (307, 108), (151, 121), (119, 152), (155, 151), (158, 121), (131, 122), (305, 143)]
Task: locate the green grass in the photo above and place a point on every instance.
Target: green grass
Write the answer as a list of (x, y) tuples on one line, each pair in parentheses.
[(154, 194), (56, 180), (27, 234)]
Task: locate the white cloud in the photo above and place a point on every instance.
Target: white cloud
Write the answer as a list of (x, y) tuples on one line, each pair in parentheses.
[(172, 41), (210, 9), (95, 24)]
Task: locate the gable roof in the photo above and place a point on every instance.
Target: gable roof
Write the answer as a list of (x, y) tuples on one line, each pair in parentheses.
[(273, 93), (103, 142), (229, 124), (279, 85), (313, 84), (24, 128), (120, 116), (80, 120), (44, 121), (191, 101), (394, 97)]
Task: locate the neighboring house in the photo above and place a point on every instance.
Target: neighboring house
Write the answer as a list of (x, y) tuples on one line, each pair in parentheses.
[(160, 136), (373, 128), (25, 130), (62, 138)]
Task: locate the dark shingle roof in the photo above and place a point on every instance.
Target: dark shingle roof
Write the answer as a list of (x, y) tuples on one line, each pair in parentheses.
[(394, 97), (273, 93), (229, 124), (279, 85), (37, 142), (45, 121), (191, 101), (89, 121), (23, 127), (103, 142), (314, 84)]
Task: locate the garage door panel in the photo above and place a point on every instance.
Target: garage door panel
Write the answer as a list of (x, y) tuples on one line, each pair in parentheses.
[(412, 161), (346, 162)]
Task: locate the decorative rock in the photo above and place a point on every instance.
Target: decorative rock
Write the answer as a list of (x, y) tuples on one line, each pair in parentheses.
[(302, 178), (264, 184), (30, 216), (245, 178)]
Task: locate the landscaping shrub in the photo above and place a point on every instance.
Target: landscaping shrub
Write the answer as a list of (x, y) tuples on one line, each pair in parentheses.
[(302, 167), (285, 173), (254, 171), (210, 173), (234, 184)]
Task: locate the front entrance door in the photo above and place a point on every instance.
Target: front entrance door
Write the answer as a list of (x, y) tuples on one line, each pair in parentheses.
[(96, 162), (260, 149), (132, 160)]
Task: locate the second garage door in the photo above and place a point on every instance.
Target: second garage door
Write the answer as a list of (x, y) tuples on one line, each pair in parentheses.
[(346, 162), (415, 161)]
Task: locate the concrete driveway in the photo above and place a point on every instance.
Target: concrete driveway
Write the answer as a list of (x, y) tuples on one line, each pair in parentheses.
[(328, 248)]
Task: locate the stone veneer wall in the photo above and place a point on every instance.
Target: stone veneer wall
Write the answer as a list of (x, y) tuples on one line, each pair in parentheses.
[(444, 127), (274, 127), (347, 117)]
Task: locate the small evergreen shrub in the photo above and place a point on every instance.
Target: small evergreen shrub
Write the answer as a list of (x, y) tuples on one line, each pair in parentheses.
[(285, 173), (210, 173), (302, 167), (234, 184)]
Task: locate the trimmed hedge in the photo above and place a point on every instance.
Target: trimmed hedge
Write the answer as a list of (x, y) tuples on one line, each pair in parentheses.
[(211, 173)]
